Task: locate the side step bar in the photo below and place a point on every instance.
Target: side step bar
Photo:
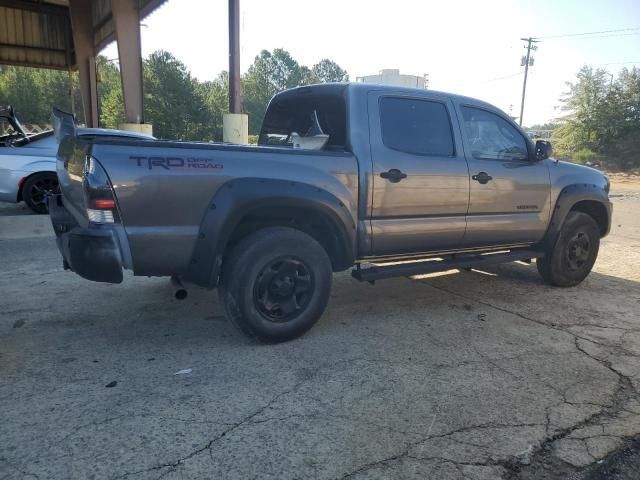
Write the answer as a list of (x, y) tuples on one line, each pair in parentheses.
[(431, 266)]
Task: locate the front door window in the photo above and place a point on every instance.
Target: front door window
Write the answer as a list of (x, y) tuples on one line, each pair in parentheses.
[(492, 137)]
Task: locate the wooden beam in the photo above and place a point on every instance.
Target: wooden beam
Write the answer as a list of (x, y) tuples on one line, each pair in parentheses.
[(126, 18), (38, 7)]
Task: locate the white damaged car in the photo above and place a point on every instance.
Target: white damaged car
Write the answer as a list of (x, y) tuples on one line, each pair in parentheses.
[(28, 161)]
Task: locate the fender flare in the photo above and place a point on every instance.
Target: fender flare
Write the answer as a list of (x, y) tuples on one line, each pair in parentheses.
[(567, 199), (237, 198)]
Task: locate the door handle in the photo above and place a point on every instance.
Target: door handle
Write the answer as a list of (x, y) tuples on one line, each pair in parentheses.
[(394, 175), (482, 177)]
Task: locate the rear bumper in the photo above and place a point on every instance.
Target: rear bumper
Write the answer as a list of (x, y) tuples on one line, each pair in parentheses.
[(93, 252)]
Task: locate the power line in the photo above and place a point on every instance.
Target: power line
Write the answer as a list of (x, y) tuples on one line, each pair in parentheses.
[(565, 35), (500, 78), (615, 63), (517, 74), (603, 36)]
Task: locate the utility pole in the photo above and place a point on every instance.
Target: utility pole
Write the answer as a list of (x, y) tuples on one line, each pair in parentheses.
[(611, 82), (235, 125), (234, 56), (526, 62)]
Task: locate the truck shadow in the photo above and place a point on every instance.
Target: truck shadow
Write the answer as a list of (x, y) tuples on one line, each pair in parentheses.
[(512, 287), (143, 314)]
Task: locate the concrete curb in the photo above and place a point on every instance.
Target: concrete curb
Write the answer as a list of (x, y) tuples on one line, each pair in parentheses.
[(25, 226)]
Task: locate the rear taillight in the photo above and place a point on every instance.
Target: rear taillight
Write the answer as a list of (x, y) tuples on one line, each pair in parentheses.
[(98, 193), (100, 216)]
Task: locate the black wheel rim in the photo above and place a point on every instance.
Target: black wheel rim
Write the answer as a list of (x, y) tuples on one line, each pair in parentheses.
[(42, 187), (283, 289), (578, 251)]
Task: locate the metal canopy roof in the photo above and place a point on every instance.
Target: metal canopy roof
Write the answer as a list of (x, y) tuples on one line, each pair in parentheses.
[(37, 33)]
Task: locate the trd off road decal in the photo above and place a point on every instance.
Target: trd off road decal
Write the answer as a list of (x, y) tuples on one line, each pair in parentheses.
[(177, 163)]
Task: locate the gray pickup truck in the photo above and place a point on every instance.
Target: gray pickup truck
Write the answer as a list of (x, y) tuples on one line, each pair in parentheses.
[(344, 175)]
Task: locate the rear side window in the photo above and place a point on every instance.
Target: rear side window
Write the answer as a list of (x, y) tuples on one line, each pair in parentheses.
[(416, 126)]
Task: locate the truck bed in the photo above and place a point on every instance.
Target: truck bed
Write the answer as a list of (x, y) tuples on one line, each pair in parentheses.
[(164, 189)]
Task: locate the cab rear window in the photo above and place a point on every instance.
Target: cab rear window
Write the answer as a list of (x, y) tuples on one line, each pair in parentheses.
[(296, 113)]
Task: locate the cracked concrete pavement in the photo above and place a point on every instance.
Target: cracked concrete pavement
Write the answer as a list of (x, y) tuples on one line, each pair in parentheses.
[(478, 375)]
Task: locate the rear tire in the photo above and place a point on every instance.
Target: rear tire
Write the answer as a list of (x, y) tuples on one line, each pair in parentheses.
[(572, 257), (36, 188), (275, 284)]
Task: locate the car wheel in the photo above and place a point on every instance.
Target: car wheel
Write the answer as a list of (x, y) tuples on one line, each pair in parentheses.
[(570, 260), (36, 188), (275, 284)]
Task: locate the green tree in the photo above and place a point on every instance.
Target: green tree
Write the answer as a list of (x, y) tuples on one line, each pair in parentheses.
[(326, 71), (583, 101), (621, 142), (178, 105), (272, 72), (269, 74), (172, 103), (33, 92), (603, 118), (215, 95), (544, 126), (110, 97)]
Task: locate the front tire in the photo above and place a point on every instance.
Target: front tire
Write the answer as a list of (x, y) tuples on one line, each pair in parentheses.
[(572, 257), (276, 284), (36, 188)]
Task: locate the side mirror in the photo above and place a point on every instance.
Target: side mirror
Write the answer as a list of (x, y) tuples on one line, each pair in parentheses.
[(543, 150)]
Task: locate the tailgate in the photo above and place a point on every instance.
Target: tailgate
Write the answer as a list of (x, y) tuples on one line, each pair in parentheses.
[(70, 163), (83, 181)]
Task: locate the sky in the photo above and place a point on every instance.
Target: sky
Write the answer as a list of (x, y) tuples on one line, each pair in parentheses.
[(467, 47)]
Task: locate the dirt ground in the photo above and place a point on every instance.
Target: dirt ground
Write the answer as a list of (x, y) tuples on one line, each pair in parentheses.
[(476, 375)]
